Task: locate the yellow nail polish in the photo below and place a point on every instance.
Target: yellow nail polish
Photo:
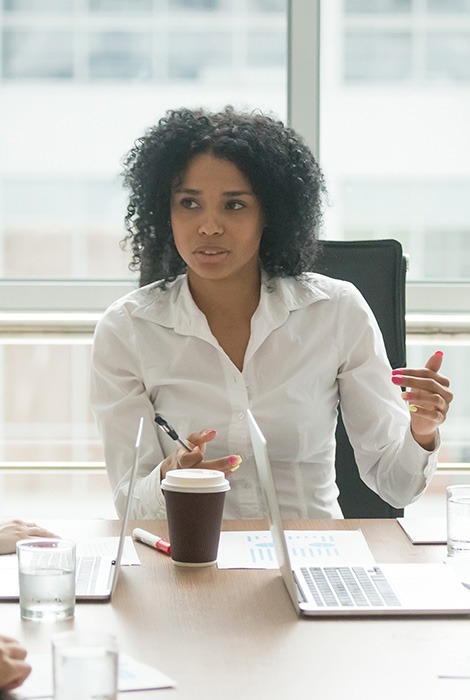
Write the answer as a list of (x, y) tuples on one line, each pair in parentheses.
[(234, 469), (234, 460), (412, 408)]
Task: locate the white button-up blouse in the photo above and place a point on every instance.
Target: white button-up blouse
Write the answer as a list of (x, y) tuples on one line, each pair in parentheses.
[(314, 343)]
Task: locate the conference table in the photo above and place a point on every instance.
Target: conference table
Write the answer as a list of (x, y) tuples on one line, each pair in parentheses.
[(235, 635)]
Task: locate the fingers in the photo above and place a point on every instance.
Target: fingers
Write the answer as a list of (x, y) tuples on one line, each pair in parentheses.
[(33, 530), (182, 459), (200, 438), (227, 465), (191, 460), (13, 530), (428, 396), (188, 460), (16, 651), (22, 529), (36, 531), (425, 379), (435, 361), (20, 670), (425, 401), (13, 668)]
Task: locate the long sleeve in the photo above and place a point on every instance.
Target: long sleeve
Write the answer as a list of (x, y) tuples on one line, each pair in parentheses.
[(390, 461), (119, 399)]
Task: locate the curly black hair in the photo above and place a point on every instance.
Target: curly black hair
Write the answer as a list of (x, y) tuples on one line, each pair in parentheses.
[(279, 165)]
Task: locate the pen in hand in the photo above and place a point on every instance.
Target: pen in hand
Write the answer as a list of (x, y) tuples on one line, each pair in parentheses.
[(169, 430), (152, 540), (233, 461)]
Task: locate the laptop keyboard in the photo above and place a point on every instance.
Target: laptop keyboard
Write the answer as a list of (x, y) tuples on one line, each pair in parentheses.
[(86, 573), (344, 586)]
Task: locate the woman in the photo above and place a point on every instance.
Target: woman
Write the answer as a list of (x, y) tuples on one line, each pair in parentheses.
[(223, 214)]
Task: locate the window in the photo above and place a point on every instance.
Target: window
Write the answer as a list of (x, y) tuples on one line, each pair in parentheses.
[(80, 80), (67, 228), (409, 41), (393, 142), (421, 213), (378, 56), (98, 74), (29, 54), (119, 55), (47, 417)]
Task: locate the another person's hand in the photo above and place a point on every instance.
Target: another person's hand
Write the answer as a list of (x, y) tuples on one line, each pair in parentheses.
[(13, 667), (181, 459), (13, 530), (428, 396)]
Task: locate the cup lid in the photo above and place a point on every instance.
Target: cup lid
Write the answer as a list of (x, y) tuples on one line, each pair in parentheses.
[(195, 480)]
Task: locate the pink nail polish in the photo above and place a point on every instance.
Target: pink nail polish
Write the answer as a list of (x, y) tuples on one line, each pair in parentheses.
[(397, 371), (398, 379), (407, 395), (438, 352), (234, 460)]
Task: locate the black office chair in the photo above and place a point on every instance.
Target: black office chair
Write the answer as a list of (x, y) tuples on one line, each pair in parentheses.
[(378, 270)]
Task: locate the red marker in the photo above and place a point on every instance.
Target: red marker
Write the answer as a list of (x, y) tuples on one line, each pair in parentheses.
[(152, 540)]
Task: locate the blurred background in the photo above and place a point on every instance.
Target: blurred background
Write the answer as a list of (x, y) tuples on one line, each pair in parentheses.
[(80, 80)]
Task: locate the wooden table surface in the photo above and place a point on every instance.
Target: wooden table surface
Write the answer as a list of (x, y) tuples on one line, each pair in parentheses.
[(234, 634)]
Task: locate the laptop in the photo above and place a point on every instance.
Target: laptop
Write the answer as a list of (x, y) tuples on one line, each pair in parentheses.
[(97, 575), (377, 590)]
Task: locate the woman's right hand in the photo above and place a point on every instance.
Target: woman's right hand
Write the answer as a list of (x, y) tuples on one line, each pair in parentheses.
[(13, 668), (181, 459)]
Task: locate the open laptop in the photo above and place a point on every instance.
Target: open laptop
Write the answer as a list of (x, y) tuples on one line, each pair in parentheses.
[(382, 589), (97, 575)]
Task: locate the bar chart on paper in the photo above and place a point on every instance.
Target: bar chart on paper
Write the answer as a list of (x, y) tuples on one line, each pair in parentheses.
[(255, 549), (314, 546)]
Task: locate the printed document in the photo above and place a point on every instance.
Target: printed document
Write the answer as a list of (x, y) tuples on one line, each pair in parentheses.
[(255, 549), (132, 675)]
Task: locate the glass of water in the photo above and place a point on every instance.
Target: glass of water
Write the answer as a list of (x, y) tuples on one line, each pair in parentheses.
[(458, 520), (46, 569), (85, 666)]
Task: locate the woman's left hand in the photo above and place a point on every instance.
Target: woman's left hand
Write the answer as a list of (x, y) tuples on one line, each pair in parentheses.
[(428, 396)]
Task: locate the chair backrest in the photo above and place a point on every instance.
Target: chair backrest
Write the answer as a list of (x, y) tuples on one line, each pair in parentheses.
[(378, 269)]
